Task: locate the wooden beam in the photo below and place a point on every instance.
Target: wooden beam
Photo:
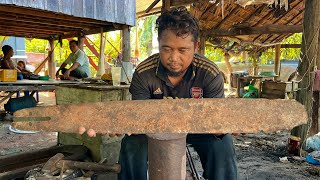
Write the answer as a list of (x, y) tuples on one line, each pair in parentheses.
[(44, 21), (24, 34), (52, 16), (31, 27), (269, 29), (290, 45), (152, 5), (181, 2)]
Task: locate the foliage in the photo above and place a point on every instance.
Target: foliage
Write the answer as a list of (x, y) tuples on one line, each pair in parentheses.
[(146, 36), (214, 54), (36, 45), (286, 53), (292, 53), (267, 56)]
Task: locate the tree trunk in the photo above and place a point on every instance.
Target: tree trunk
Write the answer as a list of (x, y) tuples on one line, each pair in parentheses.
[(306, 68)]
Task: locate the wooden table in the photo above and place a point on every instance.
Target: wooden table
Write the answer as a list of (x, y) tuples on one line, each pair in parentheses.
[(32, 85)]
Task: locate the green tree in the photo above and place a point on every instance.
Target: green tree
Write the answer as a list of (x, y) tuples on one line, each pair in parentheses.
[(292, 53), (36, 45), (286, 53)]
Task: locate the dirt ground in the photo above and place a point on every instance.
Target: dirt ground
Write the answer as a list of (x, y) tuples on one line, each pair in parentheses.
[(258, 154)]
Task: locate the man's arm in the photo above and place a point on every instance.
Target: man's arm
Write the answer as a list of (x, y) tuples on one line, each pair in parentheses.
[(73, 67), (139, 88)]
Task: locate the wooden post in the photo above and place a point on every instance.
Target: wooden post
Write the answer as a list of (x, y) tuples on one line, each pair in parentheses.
[(309, 48), (126, 74), (277, 60), (81, 41), (51, 64), (202, 48), (244, 56), (126, 44), (101, 65), (165, 5)]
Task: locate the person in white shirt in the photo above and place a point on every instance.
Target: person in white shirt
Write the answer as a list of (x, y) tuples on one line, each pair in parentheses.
[(79, 62)]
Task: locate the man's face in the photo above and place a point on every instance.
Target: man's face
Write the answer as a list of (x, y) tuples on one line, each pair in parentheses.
[(73, 47), (10, 53), (176, 52)]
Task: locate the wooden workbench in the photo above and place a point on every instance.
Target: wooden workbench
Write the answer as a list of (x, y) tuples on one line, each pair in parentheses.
[(101, 146)]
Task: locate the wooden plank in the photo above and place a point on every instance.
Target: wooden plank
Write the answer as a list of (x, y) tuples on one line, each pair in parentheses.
[(268, 29), (168, 116)]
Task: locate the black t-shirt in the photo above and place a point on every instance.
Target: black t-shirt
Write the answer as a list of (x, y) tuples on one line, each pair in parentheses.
[(202, 80)]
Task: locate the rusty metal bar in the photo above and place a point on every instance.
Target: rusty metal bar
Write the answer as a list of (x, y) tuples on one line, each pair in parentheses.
[(156, 116)]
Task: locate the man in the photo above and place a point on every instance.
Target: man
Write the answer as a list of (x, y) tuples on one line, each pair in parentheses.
[(79, 64), (178, 72)]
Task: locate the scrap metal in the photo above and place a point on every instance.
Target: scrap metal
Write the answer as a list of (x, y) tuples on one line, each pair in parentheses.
[(232, 115)]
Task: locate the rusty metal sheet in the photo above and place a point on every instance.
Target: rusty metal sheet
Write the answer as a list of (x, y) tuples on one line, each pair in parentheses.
[(167, 116)]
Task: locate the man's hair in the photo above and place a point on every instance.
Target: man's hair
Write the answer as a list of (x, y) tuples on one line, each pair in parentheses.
[(6, 49), (178, 20), (74, 41)]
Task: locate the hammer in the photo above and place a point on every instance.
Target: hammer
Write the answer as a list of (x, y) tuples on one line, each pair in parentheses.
[(57, 162)]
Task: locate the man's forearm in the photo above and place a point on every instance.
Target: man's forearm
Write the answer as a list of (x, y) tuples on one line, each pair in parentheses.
[(63, 65), (74, 66)]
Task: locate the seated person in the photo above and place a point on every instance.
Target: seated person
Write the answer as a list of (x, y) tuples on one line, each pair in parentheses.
[(22, 67), (7, 63), (79, 64)]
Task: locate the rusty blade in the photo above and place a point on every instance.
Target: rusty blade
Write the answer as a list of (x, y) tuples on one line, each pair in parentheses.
[(236, 115)]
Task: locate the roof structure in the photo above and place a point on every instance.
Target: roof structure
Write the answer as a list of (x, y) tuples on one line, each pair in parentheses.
[(68, 18), (261, 24)]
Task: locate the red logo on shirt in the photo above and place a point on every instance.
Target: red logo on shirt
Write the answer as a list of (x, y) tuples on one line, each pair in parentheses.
[(196, 92)]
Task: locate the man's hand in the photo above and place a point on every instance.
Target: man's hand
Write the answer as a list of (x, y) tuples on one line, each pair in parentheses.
[(66, 74), (92, 133)]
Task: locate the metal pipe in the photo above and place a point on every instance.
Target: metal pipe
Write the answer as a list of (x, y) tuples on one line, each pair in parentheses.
[(167, 156)]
